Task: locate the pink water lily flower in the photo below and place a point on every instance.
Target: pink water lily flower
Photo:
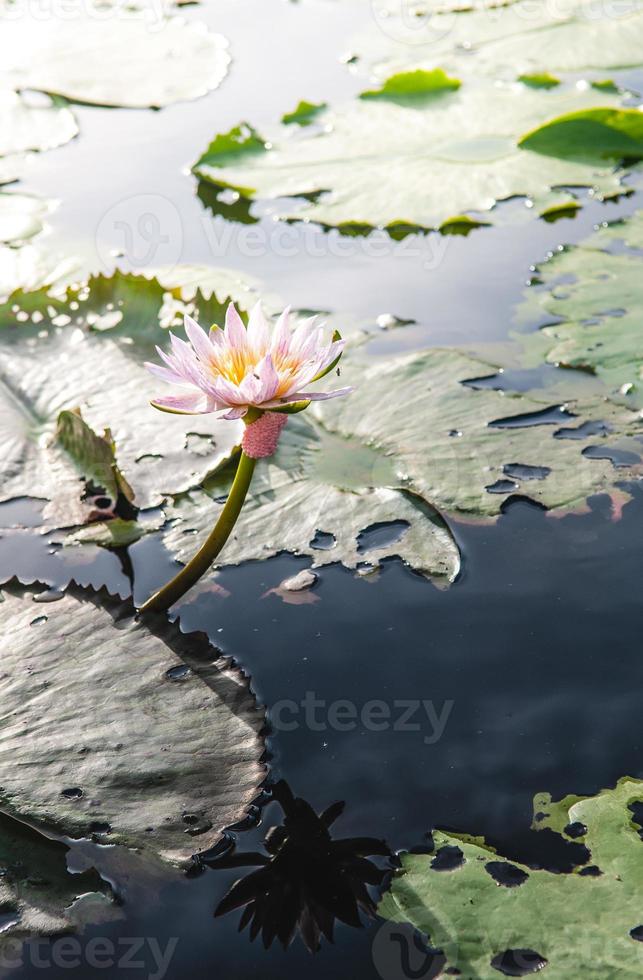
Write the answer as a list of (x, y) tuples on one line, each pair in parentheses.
[(233, 370)]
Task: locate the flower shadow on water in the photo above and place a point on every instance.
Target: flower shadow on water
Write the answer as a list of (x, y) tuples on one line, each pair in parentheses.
[(306, 880)]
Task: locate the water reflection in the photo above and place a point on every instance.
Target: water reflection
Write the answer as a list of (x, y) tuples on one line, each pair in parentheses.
[(306, 879)]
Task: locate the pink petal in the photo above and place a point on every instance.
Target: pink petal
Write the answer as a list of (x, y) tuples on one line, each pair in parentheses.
[(269, 378), (235, 413), (234, 328), (258, 330), (165, 374), (281, 336), (198, 338), (195, 403)]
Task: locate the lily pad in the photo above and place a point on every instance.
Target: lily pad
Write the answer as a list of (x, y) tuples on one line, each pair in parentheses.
[(139, 65), (21, 217), (33, 267), (460, 153), (595, 317), (451, 442), (317, 484), (523, 38), (133, 726), (25, 127), (575, 924)]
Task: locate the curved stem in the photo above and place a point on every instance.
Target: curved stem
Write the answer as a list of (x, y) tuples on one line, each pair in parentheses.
[(206, 554)]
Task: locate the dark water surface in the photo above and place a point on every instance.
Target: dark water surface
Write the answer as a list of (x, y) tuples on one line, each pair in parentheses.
[(523, 677)]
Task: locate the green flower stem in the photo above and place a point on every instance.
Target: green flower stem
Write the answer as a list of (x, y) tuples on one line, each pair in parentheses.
[(198, 566)]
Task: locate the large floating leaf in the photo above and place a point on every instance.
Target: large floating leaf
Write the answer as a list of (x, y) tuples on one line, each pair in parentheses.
[(411, 438), (315, 497), (21, 217), (525, 38), (381, 163), (25, 127), (85, 350), (33, 267), (580, 924), (597, 295), (464, 449), (140, 64), (135, 730)]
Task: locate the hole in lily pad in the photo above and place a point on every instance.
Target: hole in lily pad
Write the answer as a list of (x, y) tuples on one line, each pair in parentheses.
[(502, 486), (545, 416), (518, 962), (523, 471), (591, 871), (448, 858), (72, 793), (506, 874), (99, 827), (323, 541), (617, 457), (584, 430), (380, 535), (576, 829), (637, 933), (178, 673)]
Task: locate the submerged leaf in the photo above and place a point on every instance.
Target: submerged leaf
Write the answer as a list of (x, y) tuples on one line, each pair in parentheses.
[(38, 895), (590, 135), (114, 722), (410, 86), (304, 113), (577, 924)]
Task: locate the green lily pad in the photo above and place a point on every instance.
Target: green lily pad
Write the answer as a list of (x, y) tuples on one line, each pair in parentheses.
[(459, 153), (304, 113), (599, 308), (317, 484), (578, 924), (174, 60), (134, 727), (542, 80), (452, 442), (411, 86), (590, 135)]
